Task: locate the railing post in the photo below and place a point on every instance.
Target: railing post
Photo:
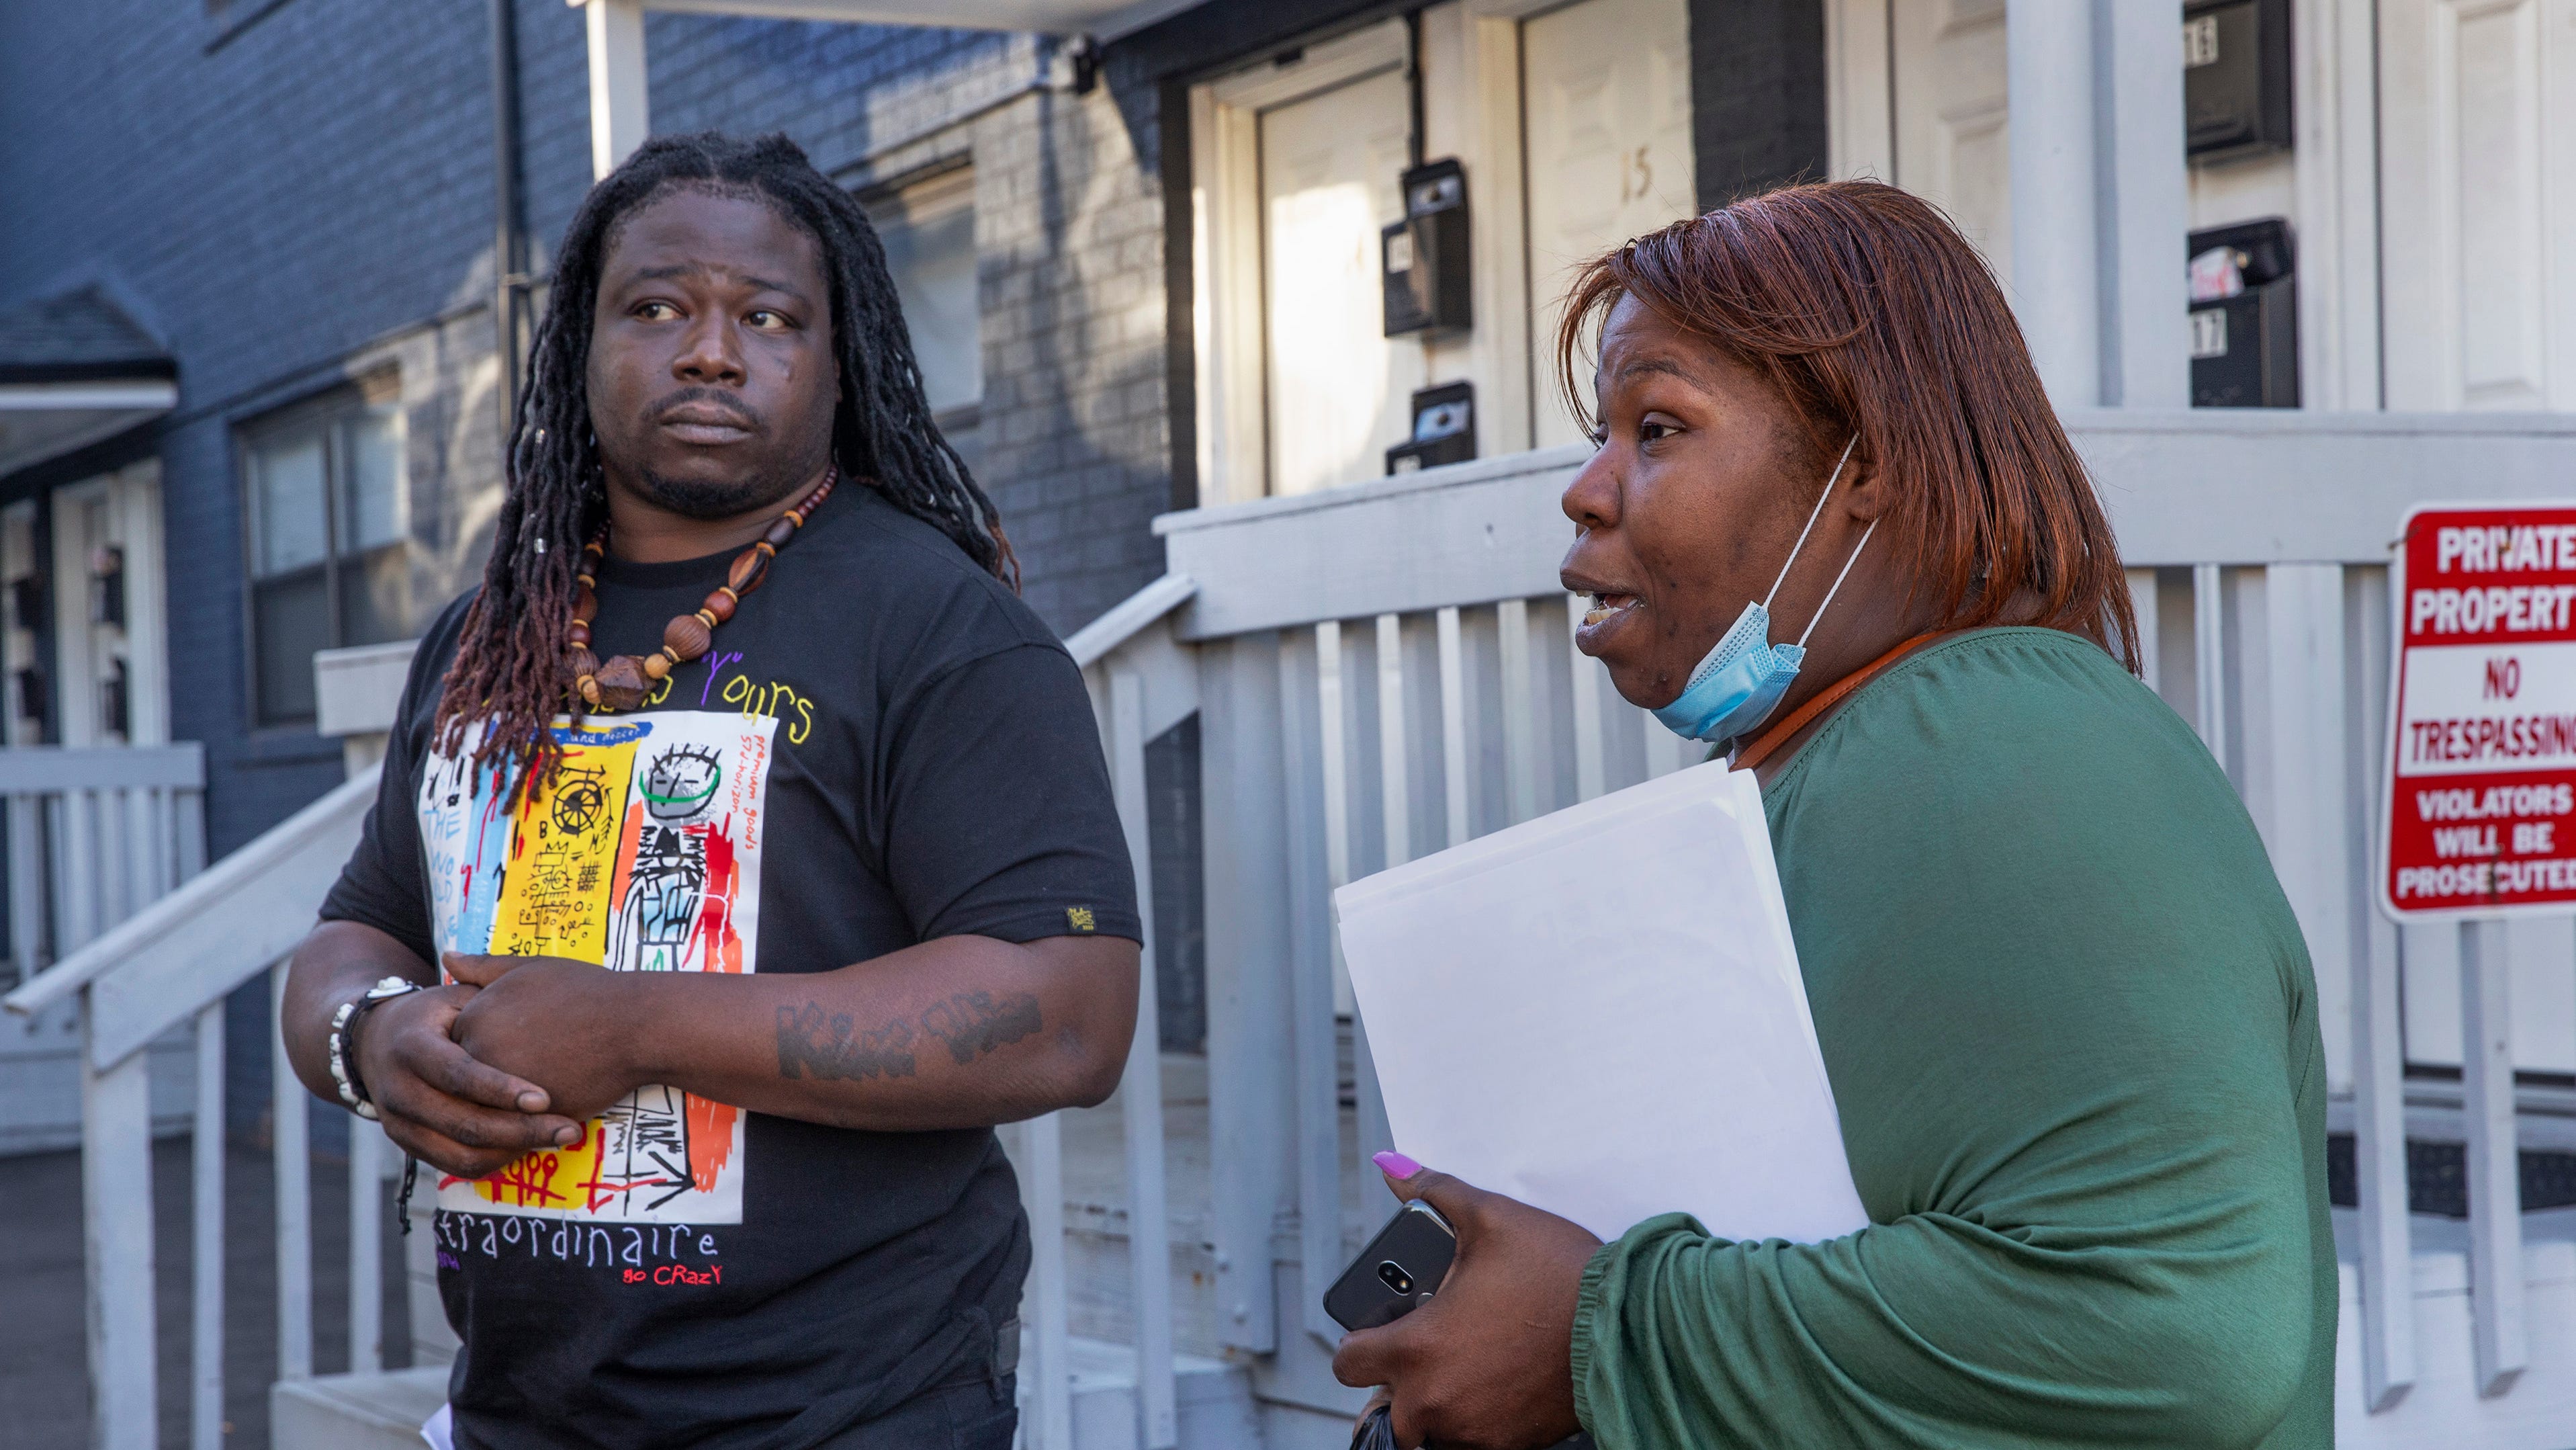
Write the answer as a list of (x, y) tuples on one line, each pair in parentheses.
[(366, 1248), (192, 831), (1394, 746), (76, 861), (2379, 1166), (1520, 711), (2209, 659), (2378, 1049), (1251, 1063), (1042, 1139), (1591, 770), (293, 1156), (27, 883), (1304, 711), (1148, 1206), (116, 1204), (206, 1239), (1395, 801), (2497, 1333), (1453, 726)]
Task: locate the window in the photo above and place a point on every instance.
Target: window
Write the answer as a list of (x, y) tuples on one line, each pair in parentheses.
[(327, 519), (929, 233)]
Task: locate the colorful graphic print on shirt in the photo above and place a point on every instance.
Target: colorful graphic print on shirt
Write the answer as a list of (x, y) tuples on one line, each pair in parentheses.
[(642, 854)]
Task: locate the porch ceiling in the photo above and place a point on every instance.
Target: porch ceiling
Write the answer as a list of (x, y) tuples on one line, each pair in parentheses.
[(74, 369), (1106, 19)]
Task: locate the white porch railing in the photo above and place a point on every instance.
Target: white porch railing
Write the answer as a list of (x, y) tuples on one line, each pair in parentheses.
[(1383, 670), (95, 835), (92, 836)]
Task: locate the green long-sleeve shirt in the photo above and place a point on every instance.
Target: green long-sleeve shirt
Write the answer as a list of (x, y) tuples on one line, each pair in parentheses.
[(2072, 1033)]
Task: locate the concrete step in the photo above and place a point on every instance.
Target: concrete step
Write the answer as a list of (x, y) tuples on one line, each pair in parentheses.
[(1215, 1399), (384, 1411), (355, 1411)]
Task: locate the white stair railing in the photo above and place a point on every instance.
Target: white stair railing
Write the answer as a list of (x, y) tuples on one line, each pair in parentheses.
[(1142, 683), (173, 963)]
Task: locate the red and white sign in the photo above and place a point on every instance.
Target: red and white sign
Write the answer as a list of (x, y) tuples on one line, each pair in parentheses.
[(2480, 810)]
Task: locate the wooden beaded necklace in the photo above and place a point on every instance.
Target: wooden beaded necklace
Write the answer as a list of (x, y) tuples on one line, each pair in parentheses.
[(623, 682)]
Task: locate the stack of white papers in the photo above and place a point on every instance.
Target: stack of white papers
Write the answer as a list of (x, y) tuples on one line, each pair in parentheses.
[(1599, 1012)]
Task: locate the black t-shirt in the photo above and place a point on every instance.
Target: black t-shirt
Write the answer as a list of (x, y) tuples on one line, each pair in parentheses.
[(884, 746)]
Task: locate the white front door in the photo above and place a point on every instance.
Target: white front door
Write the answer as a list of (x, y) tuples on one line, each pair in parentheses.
[(111, 685), (1606, 136), (1952, 145), (2477, 134), (1340, 390)]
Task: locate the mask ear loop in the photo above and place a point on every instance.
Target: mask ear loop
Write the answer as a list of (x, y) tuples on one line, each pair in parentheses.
[(1814, 514), (1838, 581)]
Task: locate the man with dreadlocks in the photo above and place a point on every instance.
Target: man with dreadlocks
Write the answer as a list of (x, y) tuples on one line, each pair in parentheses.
[(765, 839)]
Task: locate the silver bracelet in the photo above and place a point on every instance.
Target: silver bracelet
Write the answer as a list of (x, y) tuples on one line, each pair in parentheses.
[(342, 1074)]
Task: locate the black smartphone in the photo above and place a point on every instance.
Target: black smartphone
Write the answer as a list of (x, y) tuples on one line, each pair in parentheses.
[(1396, 1273)]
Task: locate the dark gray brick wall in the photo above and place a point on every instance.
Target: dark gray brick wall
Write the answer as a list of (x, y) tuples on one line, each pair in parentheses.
[(1076, 430)]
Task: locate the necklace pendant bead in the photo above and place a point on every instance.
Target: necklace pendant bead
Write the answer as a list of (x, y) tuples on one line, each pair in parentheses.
[(780, 532), (719, 605), (621, 682), (748, 570), (586, 607), (584, 663), (656, 666)]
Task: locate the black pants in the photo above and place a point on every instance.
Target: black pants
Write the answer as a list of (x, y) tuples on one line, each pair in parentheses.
[(968, 1415)]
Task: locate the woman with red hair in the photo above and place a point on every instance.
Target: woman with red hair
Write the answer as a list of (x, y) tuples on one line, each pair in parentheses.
[(1834, 527)]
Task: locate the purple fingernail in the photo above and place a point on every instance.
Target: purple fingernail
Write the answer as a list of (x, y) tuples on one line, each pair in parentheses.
[(1395, 1165)]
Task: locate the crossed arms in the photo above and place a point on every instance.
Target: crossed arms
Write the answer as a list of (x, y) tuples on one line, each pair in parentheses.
[(959, 1031)]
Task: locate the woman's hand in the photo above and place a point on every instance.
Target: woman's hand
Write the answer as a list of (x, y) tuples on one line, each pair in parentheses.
[(553, 1021), (1487, 1363)]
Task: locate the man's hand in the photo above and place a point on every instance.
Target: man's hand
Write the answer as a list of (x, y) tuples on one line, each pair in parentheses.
[(438, 1103), (1488, 1363), (558, 1022)]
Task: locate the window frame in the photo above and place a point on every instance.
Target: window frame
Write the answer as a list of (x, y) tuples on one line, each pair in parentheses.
[(941, 187), (332, 414)]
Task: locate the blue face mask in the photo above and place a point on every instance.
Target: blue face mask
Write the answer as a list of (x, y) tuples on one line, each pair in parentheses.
[(1739, 683)]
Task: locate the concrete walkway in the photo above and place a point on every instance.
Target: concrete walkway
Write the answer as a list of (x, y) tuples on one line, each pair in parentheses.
[(44, 1373)]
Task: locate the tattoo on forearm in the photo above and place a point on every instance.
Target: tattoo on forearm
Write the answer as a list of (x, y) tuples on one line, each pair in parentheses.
[(827, 1047), (805, 1049), (972, 1023)]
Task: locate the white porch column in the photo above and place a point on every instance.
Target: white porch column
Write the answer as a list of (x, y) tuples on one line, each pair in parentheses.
[(2048, 70), (619, 118), (2144, 216), (2099, 212)]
